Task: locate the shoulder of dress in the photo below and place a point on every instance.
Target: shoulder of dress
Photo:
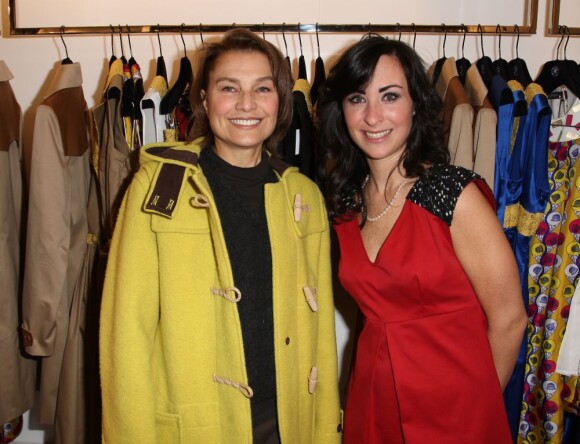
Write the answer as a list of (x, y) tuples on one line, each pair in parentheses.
[(438, 189)]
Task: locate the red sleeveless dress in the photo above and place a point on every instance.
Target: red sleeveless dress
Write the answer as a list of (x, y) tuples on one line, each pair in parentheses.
[(423, 369)]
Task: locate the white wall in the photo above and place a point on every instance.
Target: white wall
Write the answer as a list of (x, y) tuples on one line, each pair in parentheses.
[(31, 59)]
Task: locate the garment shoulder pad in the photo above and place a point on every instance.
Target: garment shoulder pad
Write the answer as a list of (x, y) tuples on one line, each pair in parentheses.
[(439, 188)]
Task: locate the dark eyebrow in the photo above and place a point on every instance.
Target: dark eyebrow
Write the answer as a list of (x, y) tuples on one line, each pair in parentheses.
[(384, 88), (234, 80)]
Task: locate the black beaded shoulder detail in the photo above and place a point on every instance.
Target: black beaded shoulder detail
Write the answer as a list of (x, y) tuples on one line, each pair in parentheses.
[(439, 188)]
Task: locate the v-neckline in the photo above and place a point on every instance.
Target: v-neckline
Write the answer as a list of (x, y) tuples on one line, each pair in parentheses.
[(385, 240)]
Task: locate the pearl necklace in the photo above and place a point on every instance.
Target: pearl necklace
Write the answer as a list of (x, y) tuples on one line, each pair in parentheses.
[(390, 203)]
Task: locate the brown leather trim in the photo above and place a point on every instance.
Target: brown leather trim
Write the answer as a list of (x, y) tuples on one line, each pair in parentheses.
[(71, 111), (173, 154), (10, 112), (164, 197), (278, 164)]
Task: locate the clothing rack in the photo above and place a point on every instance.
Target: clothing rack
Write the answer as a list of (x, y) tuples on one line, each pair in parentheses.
[(528, 28), (282, 28)]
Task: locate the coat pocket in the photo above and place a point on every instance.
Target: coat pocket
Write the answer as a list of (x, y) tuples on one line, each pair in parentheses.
[(168, 428)]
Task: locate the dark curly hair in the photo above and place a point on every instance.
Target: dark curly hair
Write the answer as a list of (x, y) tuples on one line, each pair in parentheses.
[(243, 40), (343, 165)]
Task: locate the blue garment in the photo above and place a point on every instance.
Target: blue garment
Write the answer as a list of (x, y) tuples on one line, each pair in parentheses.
[(508, 163), (523, 214)]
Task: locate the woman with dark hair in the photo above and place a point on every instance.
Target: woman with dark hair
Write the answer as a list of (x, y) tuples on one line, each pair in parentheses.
[(217, 322), (422, 254)]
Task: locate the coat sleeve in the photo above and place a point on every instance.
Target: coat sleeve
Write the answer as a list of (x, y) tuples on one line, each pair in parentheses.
[(129, 319), (328, 427), (48, 236)]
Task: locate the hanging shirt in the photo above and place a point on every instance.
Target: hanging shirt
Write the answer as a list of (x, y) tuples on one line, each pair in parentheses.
[(154, 123), (298, 146)]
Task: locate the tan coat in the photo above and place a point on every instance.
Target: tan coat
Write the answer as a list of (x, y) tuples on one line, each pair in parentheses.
[(113, 155), (457, 115), (484, 126), (16, 371), (56, 245)]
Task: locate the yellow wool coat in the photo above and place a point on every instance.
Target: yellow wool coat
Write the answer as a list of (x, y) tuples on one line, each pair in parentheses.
[(172, 360)]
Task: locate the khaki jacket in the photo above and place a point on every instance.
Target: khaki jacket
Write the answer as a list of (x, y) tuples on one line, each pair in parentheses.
[(457, 115), (16, 371), (56, 245), (172, 360), (484, 126)]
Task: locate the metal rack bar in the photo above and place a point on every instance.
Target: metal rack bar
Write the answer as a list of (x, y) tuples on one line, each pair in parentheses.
[(280, 28), (525, 29)]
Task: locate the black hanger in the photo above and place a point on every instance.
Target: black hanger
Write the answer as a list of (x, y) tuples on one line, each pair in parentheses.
[(414, 34), (286, 46), (558, 72), (463, 64), (123, 58), (66, 60), (184, 79), (573, 68), (500, 66), (138, 88), (319, 73), (301, 61), (517, 68), (439, 63), (161, 68), (484, 64), (128, 94), (132, 60), (399, 30), (113, 56)]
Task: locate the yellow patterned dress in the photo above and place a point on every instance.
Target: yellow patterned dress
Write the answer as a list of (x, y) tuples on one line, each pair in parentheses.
[(553, 272)]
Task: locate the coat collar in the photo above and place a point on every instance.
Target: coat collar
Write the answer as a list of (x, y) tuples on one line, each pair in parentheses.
[(474, 86), (448, 72), (5, 73), (188, 155), (65, 76)]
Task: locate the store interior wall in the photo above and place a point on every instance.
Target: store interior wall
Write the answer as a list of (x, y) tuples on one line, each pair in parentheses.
[(32, 59)]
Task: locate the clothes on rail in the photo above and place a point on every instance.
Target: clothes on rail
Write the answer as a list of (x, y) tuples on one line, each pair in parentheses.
[(529, 157), (457, 113), (57, 243), (16, 370), (552, 279), (298, 146), (527, 182), (484, 121)]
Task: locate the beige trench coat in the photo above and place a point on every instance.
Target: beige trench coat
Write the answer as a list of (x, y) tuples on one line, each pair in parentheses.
[(457, 115), (56, 248), (16, 370)]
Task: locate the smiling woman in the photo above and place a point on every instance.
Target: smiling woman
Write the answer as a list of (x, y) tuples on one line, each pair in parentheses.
[(419, 241), (217, 315), (242, 105)]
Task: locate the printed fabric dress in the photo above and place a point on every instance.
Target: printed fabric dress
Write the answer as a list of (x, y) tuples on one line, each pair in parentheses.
[(424, 370)]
